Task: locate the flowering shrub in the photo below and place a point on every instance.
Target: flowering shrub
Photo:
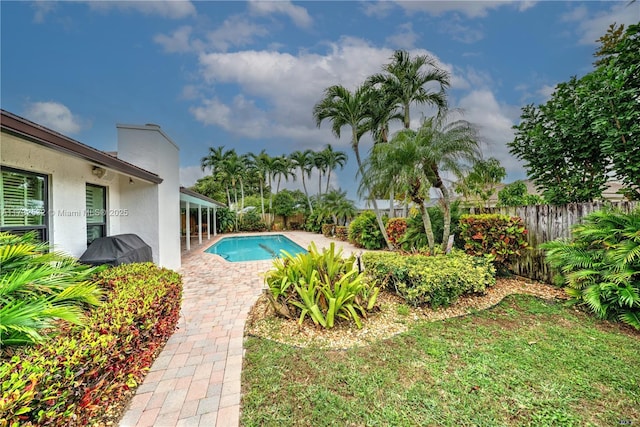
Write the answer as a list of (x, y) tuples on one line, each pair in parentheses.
[(81, 373), (501, 236)]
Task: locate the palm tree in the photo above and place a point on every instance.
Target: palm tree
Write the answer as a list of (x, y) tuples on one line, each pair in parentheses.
[(344, 108), (400, 163), (283, 168), (335, 204), (233, 169), (260, 162), (332, 160), (214, 161), (452, 143), (404, 79), (320, 163), (304, 160)]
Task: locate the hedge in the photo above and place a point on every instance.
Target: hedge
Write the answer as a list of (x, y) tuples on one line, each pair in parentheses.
[(82, 373), (434, 280)]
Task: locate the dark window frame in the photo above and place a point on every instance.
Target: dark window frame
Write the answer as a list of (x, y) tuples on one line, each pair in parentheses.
[(103, 224), (41, 230)]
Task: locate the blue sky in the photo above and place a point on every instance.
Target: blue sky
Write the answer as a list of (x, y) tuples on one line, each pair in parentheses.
[(246, 75)]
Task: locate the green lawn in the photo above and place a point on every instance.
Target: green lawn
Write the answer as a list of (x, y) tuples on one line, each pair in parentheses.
[(526, 362)]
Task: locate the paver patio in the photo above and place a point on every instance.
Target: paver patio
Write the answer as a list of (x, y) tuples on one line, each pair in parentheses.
[(195, 381)]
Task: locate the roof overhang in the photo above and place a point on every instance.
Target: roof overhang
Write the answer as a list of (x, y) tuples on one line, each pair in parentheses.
[(198, 199), (33, 132)]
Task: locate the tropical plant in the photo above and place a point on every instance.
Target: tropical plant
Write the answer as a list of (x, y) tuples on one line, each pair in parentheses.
[(322, 285), (479, 184), (261, 162), (89, 369), (502, 237), (396, 228), (39, 287), (225, 220), (516, 194), (417, 161), (405, 80), (304, 161), (283, 168), (600, 265), (336, 205), (332, 160), (284, 204), (214, 162), (344, 108), (365, 233)]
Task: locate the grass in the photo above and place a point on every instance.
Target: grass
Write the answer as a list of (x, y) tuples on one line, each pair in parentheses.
[(526, 362)]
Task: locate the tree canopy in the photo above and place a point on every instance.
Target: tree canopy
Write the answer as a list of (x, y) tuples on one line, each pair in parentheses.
[(589, 128)]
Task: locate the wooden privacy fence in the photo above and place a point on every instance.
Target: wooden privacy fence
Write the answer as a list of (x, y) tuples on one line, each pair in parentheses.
[(546, 223)]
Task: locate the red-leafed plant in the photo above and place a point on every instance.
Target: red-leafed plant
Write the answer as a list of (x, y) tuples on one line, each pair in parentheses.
[(79, 375), (342, 232), (501, 236), (396, 228)]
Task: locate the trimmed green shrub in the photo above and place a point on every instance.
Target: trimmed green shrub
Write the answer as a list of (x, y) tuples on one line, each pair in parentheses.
[(600, 265), (342, 232), (501, 236), (396, 228), (225, 220), (38, 288), (79, 375), (433, 280), (365, 233), (251, 221), (327, 230), (324, 286)]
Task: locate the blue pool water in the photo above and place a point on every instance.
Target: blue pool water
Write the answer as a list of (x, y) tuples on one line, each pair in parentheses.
[(253, 248)]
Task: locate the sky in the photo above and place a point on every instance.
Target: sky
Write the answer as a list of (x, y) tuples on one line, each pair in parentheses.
[(246, 75)]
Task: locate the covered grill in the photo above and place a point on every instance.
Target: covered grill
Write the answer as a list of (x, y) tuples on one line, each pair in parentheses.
[(116, 250)]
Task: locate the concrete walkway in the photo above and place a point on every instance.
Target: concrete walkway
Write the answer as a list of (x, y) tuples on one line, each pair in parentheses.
[(195, 381)]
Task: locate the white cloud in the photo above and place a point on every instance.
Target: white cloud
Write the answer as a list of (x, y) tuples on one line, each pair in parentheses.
[(178, 41), (55, 116), (591, 27), (461, 32), (379, 9), (173, 9), (495, 123), (405, 38), (472, 9), (546, 91), (190, 174), (280, 89), (298, 14), (42, 8), (235, 31)]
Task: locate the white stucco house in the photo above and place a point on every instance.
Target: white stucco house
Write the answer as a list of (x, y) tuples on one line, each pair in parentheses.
[(71, 193)]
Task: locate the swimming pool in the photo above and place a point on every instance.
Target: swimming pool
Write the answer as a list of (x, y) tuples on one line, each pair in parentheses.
[(253, 248)]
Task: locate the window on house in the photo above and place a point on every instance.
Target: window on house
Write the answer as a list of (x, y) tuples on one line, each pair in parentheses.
[(96, 212), (23, 202)]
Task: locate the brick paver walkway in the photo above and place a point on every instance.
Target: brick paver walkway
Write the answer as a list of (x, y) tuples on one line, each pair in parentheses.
[(195, 381)]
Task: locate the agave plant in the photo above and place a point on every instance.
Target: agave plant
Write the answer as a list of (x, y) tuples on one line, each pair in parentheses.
[(600, 265), (38, 287)]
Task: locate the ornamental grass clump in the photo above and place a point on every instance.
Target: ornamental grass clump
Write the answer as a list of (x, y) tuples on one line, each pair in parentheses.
[(322, 285), (430, 280), (600, 265)]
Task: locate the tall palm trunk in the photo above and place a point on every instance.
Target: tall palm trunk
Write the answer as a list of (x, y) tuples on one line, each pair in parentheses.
[(242, 194), (262, 198), (446, 210), (306, 193), (383, 230), (326, 189), (426, 219)]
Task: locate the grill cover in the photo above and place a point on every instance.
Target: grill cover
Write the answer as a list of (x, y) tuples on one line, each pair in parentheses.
[(116, 250)]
